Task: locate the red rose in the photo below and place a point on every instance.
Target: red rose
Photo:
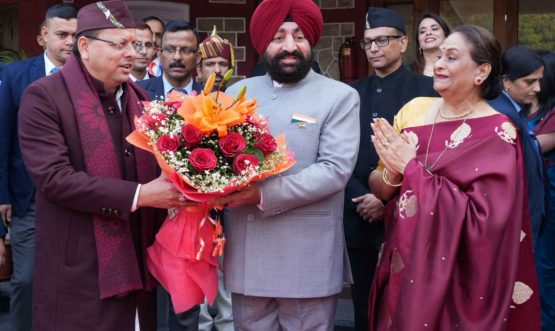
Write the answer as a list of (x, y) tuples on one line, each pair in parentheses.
[(266, 143), (191, 135), (173, 104), (244, 161), (232, 144), (203, 159), (168, 143), (154, 121)]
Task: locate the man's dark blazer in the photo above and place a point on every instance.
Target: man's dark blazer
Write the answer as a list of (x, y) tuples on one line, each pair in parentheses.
[(532, 162), (16, 187), (155, 87)]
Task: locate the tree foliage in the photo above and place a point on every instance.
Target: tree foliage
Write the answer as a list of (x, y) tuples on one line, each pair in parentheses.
[(536, 31)]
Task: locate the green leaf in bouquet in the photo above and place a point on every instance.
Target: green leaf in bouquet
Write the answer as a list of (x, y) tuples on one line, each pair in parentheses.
[(256, 152)]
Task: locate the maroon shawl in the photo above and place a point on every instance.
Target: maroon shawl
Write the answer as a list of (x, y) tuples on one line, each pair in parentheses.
[(458, 250), (118, 268)]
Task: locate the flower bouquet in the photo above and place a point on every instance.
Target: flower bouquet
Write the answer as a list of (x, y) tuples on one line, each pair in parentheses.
[(208, 145)]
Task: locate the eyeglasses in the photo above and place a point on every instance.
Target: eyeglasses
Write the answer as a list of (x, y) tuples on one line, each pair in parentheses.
[(121, 45), (381, 41), (139, 46), (181, 51)]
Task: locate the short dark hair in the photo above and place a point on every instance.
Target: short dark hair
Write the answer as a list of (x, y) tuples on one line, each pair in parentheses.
[(484, 48), (61, 10), (153, 18), (140, 25), (418, 63), (42, 25), (91, 33), (181, 25), (519, 61)]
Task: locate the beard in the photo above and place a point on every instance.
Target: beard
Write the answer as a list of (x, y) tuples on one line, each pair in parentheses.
[(287, 73)]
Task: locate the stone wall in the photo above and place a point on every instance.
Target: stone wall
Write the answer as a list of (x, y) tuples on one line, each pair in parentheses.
[(326, 52), (335, 4)]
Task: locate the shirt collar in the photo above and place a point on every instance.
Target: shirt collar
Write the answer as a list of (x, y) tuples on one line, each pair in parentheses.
[(515, 104), (48, 65), (119, 95), (276, 84), (133, 78), (168, 87)]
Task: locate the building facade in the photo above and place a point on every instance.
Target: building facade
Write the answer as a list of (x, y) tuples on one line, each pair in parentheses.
[(512, 21)]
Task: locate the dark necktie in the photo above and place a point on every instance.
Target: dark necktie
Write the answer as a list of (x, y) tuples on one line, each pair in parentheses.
[(182, 90)]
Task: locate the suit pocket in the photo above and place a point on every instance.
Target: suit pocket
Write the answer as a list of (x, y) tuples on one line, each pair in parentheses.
[(304, 143), (315, 213), (72, 242)]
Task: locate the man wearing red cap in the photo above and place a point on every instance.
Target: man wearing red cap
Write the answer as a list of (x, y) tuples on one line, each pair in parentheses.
[(95, 192), (17, 192), (216, 56), (285, 252)]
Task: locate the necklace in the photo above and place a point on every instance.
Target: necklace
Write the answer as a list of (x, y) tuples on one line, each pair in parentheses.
[(460, 133), (454, 117)]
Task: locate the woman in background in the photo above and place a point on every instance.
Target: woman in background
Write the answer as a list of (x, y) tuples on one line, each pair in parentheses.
[(521, 75), (542, 122), (430, 33), (522, 72)]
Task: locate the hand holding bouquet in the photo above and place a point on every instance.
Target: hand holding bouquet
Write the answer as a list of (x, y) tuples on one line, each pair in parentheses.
[(208, 145)]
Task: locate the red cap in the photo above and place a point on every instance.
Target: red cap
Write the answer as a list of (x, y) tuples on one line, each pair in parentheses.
[(214, 46), (271, 14), (104, 15)]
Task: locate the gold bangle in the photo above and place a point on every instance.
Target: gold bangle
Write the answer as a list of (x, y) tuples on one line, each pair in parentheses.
[(384, 177)]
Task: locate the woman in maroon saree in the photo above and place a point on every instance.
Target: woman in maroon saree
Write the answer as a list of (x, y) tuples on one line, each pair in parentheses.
[(457, 253)]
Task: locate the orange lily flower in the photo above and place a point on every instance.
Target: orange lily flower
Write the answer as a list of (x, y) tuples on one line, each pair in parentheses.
[(207, 114)]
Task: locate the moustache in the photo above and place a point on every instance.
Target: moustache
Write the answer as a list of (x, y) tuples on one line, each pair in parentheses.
[(176, 65), (284, 54)]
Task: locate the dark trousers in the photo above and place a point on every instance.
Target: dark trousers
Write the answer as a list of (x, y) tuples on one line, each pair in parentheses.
[(168, 320), (22, 238), (363, 265), (545, 265)]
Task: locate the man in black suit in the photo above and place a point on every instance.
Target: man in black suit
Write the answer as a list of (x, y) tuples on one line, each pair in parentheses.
[(17, 192), (178, 56)]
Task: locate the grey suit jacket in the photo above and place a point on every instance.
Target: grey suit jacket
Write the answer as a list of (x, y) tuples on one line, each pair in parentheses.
[(294, 247)]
